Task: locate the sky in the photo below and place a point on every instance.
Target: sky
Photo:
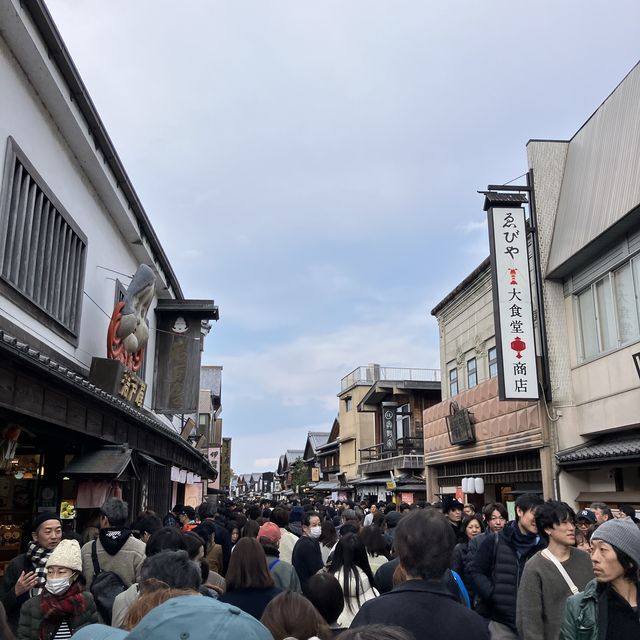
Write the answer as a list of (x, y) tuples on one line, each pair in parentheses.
[(314, 166)]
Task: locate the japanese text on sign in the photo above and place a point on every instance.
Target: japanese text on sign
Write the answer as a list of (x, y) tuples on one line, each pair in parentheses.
[(512, 304)]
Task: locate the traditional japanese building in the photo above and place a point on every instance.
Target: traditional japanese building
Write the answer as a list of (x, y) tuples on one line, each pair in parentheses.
[(79, 262)]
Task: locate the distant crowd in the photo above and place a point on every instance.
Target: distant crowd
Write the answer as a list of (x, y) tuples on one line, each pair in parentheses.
[(322, 569)]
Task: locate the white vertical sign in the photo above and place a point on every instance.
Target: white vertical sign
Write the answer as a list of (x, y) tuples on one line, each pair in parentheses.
[(513, 309)]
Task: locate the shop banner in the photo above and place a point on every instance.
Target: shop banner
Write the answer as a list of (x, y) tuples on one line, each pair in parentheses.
[(512, 304)]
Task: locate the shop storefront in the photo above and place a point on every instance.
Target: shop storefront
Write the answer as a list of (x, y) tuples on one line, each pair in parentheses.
[(475, 435), (66, 445)]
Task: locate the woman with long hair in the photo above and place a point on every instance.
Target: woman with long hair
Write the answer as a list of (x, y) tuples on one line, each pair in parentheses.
[(350, 565), (291, 615), (249, 583), (376, 545), (64, 606)]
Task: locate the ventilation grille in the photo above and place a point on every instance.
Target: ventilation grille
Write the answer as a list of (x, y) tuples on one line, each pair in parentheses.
[(41, 254)]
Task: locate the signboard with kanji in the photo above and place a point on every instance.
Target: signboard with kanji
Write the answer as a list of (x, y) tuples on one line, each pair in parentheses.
[(512, 304)]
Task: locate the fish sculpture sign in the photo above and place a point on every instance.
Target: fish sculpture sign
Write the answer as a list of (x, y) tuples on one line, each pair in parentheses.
[(128, 331), (127, 338)]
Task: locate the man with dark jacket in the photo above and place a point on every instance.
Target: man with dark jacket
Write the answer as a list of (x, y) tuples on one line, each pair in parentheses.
[(422, 604), (24, 576), (497, 566), (453, 509), (117, 550), (307, 557)]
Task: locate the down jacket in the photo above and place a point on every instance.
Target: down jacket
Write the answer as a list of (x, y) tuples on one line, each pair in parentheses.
[(495, 571), (31, 618)]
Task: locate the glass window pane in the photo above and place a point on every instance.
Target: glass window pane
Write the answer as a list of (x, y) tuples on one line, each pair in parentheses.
[(493, 362), (586, 310), (626, 304), (472, 375), (453, 382), (606, 317)]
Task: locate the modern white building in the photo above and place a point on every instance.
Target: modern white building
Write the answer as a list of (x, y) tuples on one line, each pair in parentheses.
[(588, 201)]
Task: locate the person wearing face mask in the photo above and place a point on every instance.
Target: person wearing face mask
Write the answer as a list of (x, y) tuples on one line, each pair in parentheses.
[(64, 606), (24, 576), (307, 555)]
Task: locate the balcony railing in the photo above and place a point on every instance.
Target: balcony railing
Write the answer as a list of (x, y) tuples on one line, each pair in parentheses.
[(373, 372), (406, 447)]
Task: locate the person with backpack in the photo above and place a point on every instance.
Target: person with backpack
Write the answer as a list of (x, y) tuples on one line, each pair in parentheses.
[(64, 606), (282, 572), (113, 560)]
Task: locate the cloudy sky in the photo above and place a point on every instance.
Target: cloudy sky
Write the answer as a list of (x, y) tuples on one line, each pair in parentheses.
[(313, 166)]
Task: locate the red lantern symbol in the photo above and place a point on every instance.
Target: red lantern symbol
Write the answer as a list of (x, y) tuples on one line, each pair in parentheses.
[(518, 346), (512, 274)]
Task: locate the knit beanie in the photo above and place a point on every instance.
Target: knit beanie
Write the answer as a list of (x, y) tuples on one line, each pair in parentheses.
[(42, 517), (622, 534), (66, 554)]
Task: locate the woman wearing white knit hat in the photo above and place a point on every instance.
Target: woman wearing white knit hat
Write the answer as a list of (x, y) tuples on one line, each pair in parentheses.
[(608, 607), (63, 606)]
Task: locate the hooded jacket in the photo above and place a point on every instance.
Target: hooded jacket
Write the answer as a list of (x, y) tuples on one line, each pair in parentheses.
[(495, 571), (118, 551)]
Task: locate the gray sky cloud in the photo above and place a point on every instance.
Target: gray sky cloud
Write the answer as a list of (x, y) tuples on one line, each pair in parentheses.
[(314, 166)]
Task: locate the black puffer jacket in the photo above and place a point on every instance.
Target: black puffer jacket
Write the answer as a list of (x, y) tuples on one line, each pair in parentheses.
[(495, 571)]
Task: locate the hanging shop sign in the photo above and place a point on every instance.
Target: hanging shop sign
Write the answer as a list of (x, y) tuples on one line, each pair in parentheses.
[(459, 425), (512, 304), (389, 426), (181, 326)]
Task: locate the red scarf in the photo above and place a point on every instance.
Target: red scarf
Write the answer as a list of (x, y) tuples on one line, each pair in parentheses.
[(56, 609)]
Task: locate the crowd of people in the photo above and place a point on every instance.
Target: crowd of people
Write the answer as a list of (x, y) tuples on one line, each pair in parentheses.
[(323, 569)]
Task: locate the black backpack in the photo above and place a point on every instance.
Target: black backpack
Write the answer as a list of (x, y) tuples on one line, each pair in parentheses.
[(105, 587)]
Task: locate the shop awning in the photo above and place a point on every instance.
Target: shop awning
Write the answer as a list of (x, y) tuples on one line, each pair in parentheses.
[(620, 448), (327, 485), (410, 488), (110, 462)]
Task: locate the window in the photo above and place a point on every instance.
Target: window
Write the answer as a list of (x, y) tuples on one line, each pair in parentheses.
[(472, 373), (348, 404), (403, 421), (493, 362), (453, 382), (607, 312), (42, 251)]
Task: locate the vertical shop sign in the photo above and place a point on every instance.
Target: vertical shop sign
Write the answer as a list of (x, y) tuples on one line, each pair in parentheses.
[(389, 426), (512, 304)]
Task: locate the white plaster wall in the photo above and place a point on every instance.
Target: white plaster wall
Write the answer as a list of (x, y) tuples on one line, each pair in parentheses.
[(24, 117)]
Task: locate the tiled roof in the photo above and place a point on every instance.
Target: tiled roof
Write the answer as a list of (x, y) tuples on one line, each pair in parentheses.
[(318, 438), (29, 354), (612, 447)]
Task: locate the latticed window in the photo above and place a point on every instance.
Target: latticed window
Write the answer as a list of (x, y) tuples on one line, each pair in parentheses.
[(42, 250)]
